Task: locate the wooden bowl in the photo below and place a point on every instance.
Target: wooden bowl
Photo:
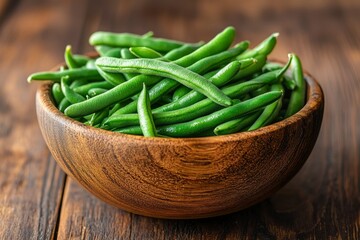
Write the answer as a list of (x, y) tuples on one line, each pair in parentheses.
[(182, 178)]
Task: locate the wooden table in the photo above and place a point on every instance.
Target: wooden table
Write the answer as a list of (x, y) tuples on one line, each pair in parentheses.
[(38, 201)]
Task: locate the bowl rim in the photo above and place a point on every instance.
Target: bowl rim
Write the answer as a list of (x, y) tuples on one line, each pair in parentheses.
[(314, 101)]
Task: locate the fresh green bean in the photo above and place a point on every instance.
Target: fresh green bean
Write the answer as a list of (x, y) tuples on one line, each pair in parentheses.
[(180, 52), (270, 112), (205, 64), (84, 89), (200, 108), (180, 92), (148, 34), (114, 108), (126, 54), (63, 104), (260, 91), (165, 69), (133, 40), (131, 87), (187, 85), (89, 74), (116, 94), (236, 125), (90, 64), (255, 67), (78, 82), (97, 117), (214, 119), (133, 130), (145, 52), (264, 48), (69, 59), (289, 83), (96, 91), (145, 116), (57, 93), (81, 60), (69, 93), (113, 78), (219, 43), (297, 98), (115, 52), (271, 66), (218, 78), (167, 98), (103, 49)]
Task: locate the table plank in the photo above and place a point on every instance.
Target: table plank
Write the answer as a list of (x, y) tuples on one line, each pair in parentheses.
[(322, 201), (32, 38)]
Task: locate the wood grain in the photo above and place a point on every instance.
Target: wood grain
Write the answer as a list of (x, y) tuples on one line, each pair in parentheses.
[(31, 183), (321, 202)]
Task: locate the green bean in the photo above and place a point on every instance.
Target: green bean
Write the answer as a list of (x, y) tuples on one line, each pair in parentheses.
[(220, 42), (78, 82), (89, 74), (114, 108), (69, 59), (81, 60), (297, 98), (84, 89), (63, 104), (289, 83), (90, 64), (271, 66), (203, 65), (103, 49), (113, 78), (260, 91), (57, 93), (180, 52), (180, 92), (255, 67), (270, 112), (236, 125), (115, 52), (148, 34), (264, 48), (97, 117), (145, 52), (116, 94), (126, 54), (219, 79), (167, 98), (214, 119), (69, 93), (165, 69), (96, 91), (133, 130), (145, 116), (200, 108), (133, 40)]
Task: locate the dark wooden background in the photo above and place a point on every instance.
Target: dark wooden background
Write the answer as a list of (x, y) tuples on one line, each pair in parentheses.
[(38, 201)]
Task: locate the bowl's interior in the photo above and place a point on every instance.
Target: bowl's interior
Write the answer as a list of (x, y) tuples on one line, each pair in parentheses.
[(182, 177)]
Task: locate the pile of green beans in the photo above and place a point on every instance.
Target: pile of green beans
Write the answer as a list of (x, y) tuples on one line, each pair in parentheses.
[(144, 85)]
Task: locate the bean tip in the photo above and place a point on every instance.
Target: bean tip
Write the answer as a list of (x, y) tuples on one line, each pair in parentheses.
[(29, 79), (276, 35)]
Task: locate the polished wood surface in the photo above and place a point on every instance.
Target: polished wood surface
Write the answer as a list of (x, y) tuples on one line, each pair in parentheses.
[(38, 201), (182, 178)]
